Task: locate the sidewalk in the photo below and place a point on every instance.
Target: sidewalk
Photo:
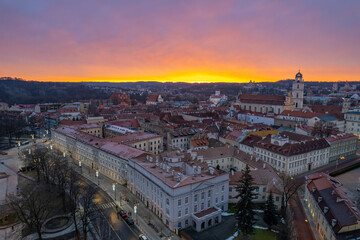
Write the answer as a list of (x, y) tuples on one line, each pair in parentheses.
[(143, 216), (308, 216)]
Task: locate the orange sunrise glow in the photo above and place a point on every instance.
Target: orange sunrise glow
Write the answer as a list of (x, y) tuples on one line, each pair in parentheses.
[(201, 41)]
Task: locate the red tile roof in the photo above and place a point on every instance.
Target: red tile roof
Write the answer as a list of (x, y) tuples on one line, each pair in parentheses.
[(262, 99)]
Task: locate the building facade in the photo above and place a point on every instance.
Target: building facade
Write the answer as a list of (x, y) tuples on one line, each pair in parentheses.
[(292, 158), (180, 190)]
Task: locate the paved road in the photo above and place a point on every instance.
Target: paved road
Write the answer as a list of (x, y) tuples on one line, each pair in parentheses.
[(105, 219), (303, 229)]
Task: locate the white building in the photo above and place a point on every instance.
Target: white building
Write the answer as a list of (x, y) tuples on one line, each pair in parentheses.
[(256, 118), (292, 158), (352, 124), (180, 190), (217, 98)]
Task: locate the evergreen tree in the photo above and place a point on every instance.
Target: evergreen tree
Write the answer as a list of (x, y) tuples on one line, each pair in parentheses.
[(270, 212), (245, 214)]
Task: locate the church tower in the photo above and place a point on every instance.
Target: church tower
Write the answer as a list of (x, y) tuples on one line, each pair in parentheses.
[(298, 91)]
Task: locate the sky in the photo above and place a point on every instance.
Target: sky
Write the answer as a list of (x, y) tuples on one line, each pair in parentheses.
[(180, 40)]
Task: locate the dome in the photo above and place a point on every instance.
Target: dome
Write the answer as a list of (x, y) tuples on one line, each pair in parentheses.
[(298, 75)]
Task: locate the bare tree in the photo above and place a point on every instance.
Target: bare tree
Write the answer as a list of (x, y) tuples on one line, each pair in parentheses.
[(74, 195), (32, 208), (85, 213), (290, 187), (32, 158), (59, 173)]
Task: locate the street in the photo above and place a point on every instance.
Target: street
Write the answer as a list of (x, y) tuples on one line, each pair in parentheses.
[(104, 218)]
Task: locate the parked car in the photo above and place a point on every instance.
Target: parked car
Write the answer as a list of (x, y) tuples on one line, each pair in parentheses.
[(129, 220), (3, 153), (122, 213), (142, 237)]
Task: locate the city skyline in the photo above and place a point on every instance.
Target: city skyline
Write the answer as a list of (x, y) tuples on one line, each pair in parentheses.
[(227, 41)]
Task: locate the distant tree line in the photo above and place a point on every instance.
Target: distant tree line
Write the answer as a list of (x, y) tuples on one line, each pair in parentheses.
[(14, 90)]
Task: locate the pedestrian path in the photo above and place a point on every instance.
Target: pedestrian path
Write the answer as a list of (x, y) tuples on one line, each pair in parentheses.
[(103, 206)]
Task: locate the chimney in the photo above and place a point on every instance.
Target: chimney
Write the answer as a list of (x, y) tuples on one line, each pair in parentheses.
[(326, 209), (264, 165), (333, 222), (319, 199), (178, 177), (199, 170), (172, 172), (167, 169)]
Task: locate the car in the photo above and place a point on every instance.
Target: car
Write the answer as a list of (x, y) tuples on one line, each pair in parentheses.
[(3, 153), (122, 213), (129, 220), (142, 237)]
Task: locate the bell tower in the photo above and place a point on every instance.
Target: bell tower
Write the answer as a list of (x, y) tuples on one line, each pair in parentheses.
[(298, 91)]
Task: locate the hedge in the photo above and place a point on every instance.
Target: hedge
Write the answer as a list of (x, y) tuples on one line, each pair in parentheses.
[(344, 170)]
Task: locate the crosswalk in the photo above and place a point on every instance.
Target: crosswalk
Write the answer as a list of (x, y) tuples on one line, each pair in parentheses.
[(103, 206)]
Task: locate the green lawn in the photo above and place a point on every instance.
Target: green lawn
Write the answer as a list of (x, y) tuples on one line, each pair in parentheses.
[(261, 234)]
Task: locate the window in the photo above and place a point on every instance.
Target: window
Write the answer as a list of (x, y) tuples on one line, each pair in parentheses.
[(196, 198), (179, 225), (186, 211), (209, 193), (216, 200), (202, 195), (179, 202), (202, 206), (223, 188), (230, 189), (186, 200), (186, 222), (222, 198), (195, 208), (277, 199), (167, 201), (167, 211), (208, 203), (179, 214)]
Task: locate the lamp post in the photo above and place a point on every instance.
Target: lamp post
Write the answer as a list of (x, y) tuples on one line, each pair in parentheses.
[(97, 175), (135, 212), (80, 166), (114, 189)]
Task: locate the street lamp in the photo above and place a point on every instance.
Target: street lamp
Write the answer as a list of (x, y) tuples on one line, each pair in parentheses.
[(135, 212), (114, 189), (80, 166), (97, 175)]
